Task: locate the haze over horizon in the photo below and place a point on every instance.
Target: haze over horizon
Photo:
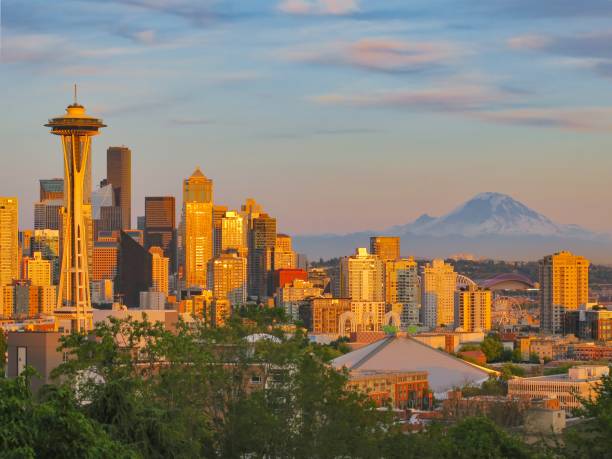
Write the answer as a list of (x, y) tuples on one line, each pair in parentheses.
[(365, 114)]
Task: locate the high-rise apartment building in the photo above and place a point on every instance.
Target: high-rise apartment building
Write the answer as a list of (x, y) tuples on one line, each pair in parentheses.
[(322, 315), (9, 240), (38, 270), (51, 189), (473, 309), (385, 247), (119, 175), (362, 277), (159, 270), (160, 226), (564, 286), (402, 286), (197, 228), (262, 242), (438, 285), (229, 278)]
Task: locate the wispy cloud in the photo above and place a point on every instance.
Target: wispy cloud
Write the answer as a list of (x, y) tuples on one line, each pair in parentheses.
[(443, 98), (27, 48), (319, 7), (592, 50), (380, 54), (581, 119)]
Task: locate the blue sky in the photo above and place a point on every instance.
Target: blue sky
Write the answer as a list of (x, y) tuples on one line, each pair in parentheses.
[(337, 115)]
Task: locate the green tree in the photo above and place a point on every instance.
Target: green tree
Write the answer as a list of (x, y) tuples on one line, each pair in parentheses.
[(592, 438), (51, 426), (492, 348)]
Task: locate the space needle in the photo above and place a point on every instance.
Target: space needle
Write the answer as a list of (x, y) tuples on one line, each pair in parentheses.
[(73, 310)]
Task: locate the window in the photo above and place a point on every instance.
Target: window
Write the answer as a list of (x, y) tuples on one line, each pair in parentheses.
[(255, 379)]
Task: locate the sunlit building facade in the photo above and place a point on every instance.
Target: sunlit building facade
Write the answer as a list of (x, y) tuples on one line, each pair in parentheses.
[(362, 277), (438, 284), (473, 309), (159, 270), (564, 286), (385, 247)]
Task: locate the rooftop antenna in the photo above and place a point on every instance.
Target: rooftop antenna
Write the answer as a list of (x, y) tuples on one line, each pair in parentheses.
[(75, 95)]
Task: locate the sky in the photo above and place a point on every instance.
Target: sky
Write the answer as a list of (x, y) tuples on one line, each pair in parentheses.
[(336, 115)]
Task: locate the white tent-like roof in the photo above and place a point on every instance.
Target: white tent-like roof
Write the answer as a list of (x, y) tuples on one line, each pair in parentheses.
[(403, 353)]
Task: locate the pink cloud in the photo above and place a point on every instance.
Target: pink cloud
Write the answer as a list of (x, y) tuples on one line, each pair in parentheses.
[(449, 98), (320, 7), (384, 54)]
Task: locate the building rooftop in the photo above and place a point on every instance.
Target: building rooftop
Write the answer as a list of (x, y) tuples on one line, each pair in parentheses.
[(405, 354)]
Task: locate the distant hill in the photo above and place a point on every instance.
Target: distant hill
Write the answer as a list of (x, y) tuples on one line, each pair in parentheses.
[(489, 225)]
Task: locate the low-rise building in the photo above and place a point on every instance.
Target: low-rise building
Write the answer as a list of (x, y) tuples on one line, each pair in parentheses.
[(579, 382), (401, 389), (591, 324)]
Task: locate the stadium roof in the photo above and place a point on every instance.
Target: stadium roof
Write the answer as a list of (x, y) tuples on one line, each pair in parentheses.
[(403, 353), (508, 281)]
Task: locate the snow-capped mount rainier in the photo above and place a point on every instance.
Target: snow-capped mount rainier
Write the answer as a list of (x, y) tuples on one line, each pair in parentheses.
[(490, 214), (490, 225)]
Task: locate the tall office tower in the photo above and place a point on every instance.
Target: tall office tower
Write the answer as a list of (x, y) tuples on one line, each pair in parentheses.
[(9, 241), (25, 243), (564, 284), (402, 287), (218, 214), (197, 228), (362, 277), (283, 256), (160, 226), (76, 129), (111, 219), (47, 242), (38, 270), (229, 278), (159, 270), (140, 222), (105, 259), (134, 270), (119, 175), (473, 309), (438, 284), (261, 246), (51, 189), (386, 247), (232, 233), (48, 214)]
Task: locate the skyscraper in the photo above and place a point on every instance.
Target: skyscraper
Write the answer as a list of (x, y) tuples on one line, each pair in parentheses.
[(262, 241), (119, 175), (229, 275), (362, 277), (473, 309), (283, 256), (564, 286), (438, 284), (160, 226), (51, 189), (386, 247), (232, 233), (76, 129), (48, 214), (134, 270), (218, 214), (197, 228), (38, 271), (159, 270), (9, 240)]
